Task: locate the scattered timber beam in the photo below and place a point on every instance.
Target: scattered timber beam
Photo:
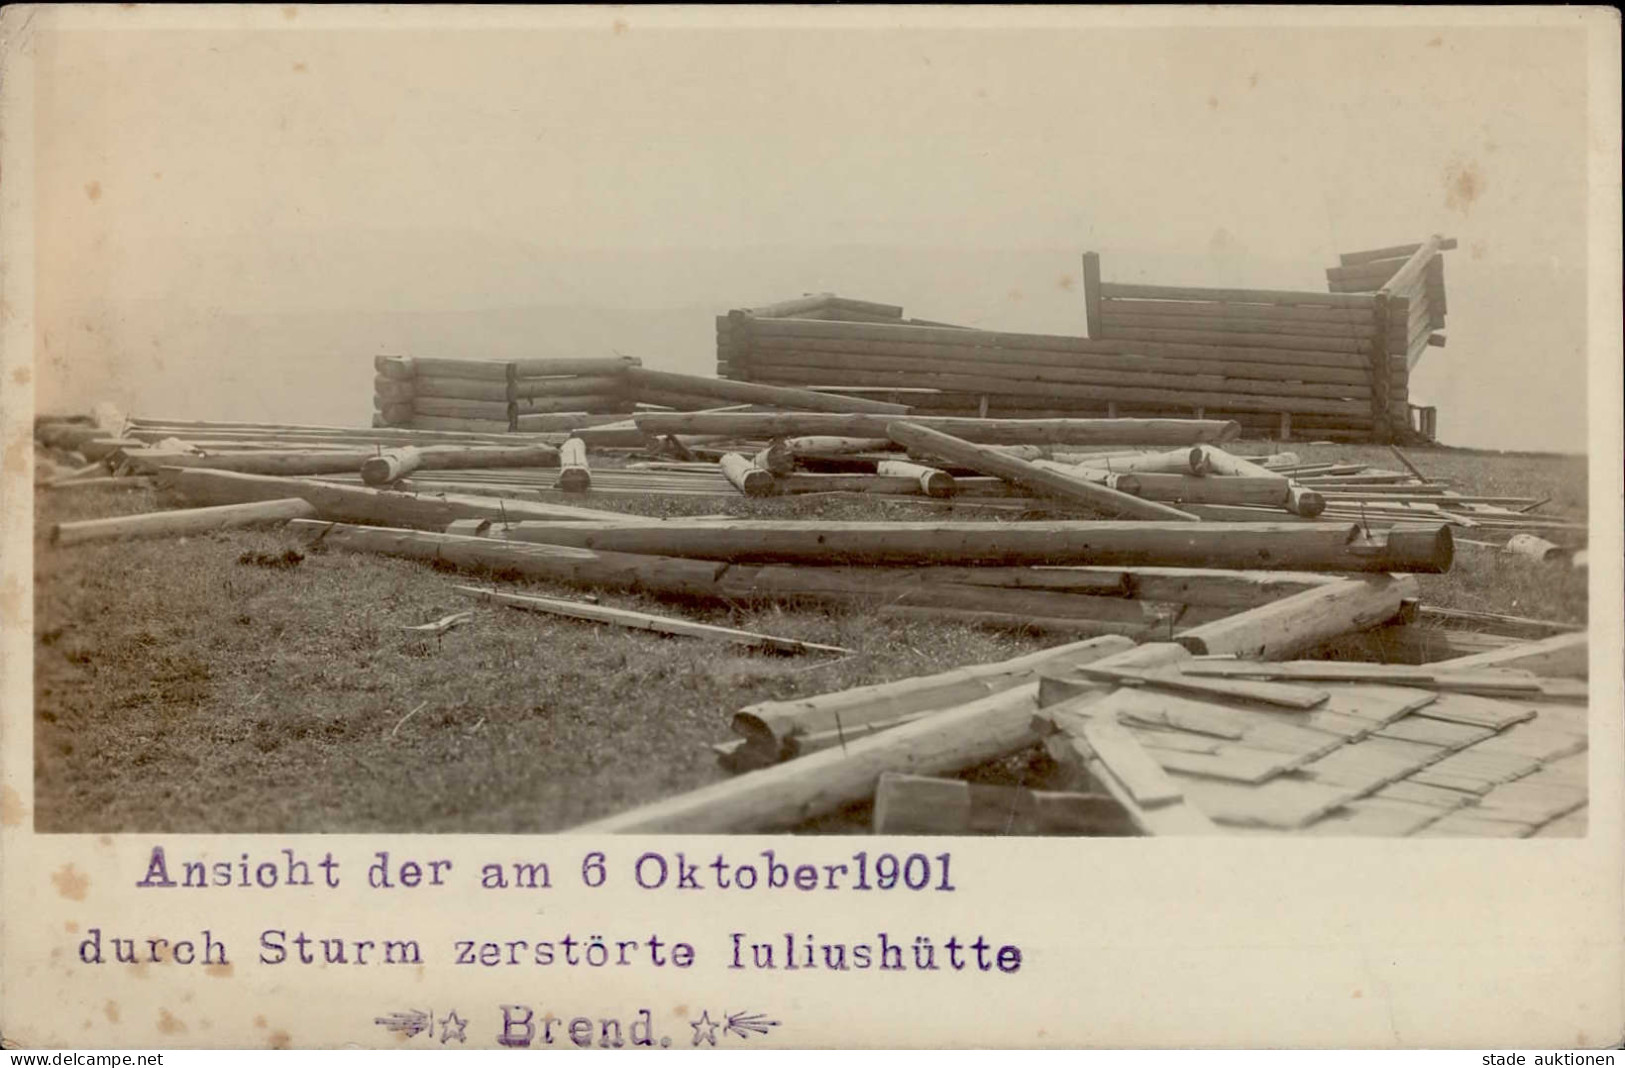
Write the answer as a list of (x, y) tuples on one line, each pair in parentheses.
[(672, 576), (917, 804), (933, 481), (745, 476), (791, 793), (770, 726), (574, 474), (365, 505), (776, 459), (820, 446), (550, 368), (1289, 626), (182, 521), (981, 431), (622, 617), (109, 482), (1242, 489), (1047, 482), (750, 393), (315, 461), (1289, 545), (391, 465)]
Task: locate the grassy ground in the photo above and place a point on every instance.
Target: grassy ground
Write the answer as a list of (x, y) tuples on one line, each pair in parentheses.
[(179, 689)]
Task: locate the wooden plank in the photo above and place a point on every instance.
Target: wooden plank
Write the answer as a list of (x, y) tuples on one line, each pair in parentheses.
[(1116, 748), (1563, 654), (1093, 324), (1483, 682), (1477, 711), (1367, 765), (1374, 817), (1434, 797), (1350, 259), (622, 617), (1283, 803)]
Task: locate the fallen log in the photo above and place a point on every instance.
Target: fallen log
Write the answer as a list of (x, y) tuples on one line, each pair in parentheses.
[(1191, 461), (1024, 473), (752, 393), (1293, 624), (671, 576), (606, 403), (362, 504), (981, 431), (390, 465), (745, 476), (574, 475), (776, 459), (1292, 545), (836, 446), (477, 389), (335, 461), (1156, 486), (622, 617), (108, 482), (916, 804), (788, 794), (524, 389), (771, 726), (933, 482), (182, 521), (586, 365)]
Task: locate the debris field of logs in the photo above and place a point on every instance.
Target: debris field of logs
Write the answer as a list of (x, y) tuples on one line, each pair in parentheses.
[(1187, 582)]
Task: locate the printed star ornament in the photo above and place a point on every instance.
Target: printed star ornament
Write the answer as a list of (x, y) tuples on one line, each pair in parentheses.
[(708, 1026)]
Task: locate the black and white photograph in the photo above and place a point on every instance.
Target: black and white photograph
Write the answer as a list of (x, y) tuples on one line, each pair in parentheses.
[(993, 423)]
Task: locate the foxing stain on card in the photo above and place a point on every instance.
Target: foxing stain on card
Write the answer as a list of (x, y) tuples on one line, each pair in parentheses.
[(168, 1024), (110, 1010), (1463, 183), (12, 809), (71, 883)]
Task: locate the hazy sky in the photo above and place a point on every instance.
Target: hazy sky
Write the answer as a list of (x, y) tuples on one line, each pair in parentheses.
[(228, 219)]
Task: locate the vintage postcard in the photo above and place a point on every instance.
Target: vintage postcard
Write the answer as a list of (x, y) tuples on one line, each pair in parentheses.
[(731, 528)]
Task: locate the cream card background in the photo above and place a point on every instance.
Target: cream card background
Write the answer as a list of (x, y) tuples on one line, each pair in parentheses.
[(1241, 941)]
